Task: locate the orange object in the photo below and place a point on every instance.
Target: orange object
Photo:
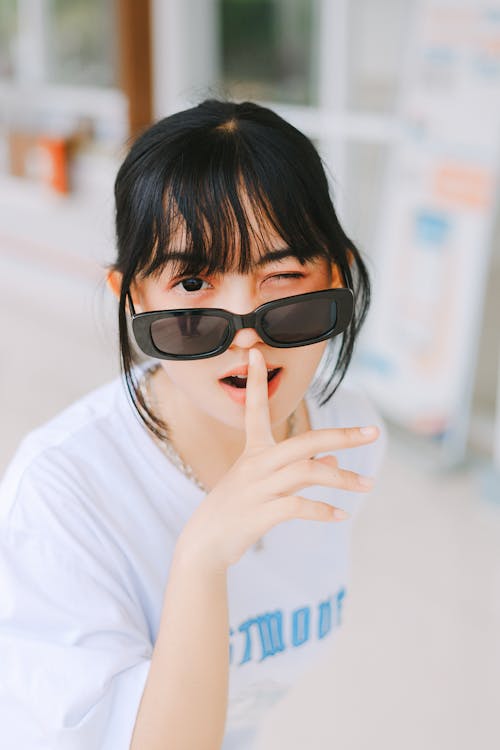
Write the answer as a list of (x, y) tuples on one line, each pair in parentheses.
[(56, 150), (22, 152), (464, 186)]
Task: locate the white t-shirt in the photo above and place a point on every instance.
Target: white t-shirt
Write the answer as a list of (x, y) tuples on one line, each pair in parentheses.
[(90, 511)]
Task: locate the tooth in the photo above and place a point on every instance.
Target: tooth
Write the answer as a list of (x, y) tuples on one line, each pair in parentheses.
[(244, 377)]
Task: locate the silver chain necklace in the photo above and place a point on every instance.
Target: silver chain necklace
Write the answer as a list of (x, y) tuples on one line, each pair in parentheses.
[(167, 447)]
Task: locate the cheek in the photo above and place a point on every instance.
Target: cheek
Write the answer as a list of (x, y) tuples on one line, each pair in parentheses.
[(183, 374), (306, 365), (312, 357), (190, 380)]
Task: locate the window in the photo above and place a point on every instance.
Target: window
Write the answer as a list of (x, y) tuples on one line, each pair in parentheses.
[(267, 49), (58, 65), (81, 42), (8, 32)]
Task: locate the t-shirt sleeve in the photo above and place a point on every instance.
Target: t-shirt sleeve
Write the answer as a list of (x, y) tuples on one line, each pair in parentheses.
[(357, 410), (378, 449), (74, 648), (362, 411)]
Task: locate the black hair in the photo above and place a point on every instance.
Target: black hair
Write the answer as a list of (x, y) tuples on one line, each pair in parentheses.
[(196, 166)]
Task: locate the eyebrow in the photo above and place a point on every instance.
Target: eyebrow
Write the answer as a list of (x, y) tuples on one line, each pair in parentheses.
[(275, 255), (271, 256)]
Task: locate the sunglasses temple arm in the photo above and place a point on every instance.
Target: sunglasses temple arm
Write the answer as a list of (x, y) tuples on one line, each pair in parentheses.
[(128, 296), (130, 303)]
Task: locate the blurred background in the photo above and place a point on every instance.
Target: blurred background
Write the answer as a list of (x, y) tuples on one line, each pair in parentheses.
[(402, 99)]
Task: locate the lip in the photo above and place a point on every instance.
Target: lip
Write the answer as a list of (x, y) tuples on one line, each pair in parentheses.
[(243, 370), (239, 394)]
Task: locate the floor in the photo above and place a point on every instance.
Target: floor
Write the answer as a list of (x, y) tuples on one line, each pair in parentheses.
[(417, 665)]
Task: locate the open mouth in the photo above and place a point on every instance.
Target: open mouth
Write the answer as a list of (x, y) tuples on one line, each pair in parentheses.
[(238, 381)]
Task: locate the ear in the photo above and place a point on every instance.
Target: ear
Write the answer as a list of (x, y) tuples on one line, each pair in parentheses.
[(337, 276), (114, 282)]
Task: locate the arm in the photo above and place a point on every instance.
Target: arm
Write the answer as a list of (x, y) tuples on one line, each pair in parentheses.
[(184, 702)]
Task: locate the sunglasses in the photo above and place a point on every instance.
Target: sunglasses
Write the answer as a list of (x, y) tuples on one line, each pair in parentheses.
[(200, 332)]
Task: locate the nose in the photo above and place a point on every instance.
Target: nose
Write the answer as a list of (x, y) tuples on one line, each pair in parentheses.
[(245, 338)]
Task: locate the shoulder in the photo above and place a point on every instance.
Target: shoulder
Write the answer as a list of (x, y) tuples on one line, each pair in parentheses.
[(66, 489), (351, 406), (53, 459)]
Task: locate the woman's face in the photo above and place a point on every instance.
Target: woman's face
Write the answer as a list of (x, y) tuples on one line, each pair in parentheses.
[(195, 384)]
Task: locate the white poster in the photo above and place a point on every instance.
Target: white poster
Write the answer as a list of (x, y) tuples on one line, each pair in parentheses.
[(418, 348)]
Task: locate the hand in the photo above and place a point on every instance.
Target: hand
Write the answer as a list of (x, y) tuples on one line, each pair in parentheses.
[(257, 492)]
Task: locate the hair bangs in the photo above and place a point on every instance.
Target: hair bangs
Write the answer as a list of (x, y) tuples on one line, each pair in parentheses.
[(219, 210)]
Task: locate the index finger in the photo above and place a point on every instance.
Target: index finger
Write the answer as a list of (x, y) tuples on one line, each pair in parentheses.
[(257, 419)]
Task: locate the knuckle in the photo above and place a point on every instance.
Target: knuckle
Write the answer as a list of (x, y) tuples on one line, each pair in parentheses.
[(309, 469), (335, 476), (284, 508), (247, 470), (295, 505), (353, 480), (326, 511), (330, 460), (249, 461), (310, 438), (351, 434)]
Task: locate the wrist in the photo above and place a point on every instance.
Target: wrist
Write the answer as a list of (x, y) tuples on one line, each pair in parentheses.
[(190, 553)]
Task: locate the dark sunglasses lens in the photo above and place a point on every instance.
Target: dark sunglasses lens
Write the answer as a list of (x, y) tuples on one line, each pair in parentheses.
[(302, 320), (188, 333)]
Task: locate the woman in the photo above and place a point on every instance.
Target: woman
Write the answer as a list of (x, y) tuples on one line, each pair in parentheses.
[(164, 581)]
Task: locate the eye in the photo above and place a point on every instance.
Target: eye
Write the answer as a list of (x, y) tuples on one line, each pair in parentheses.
[(190, 281), (288, 276)]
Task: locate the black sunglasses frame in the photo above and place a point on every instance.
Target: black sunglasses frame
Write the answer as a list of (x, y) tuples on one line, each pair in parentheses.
[(141, 322)]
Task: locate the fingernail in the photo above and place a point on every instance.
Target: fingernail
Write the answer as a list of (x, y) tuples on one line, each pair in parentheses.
[(368, 431), (340, 514), (251, 356)]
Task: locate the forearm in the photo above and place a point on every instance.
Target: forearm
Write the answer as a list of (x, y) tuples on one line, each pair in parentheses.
[(184, 702)]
